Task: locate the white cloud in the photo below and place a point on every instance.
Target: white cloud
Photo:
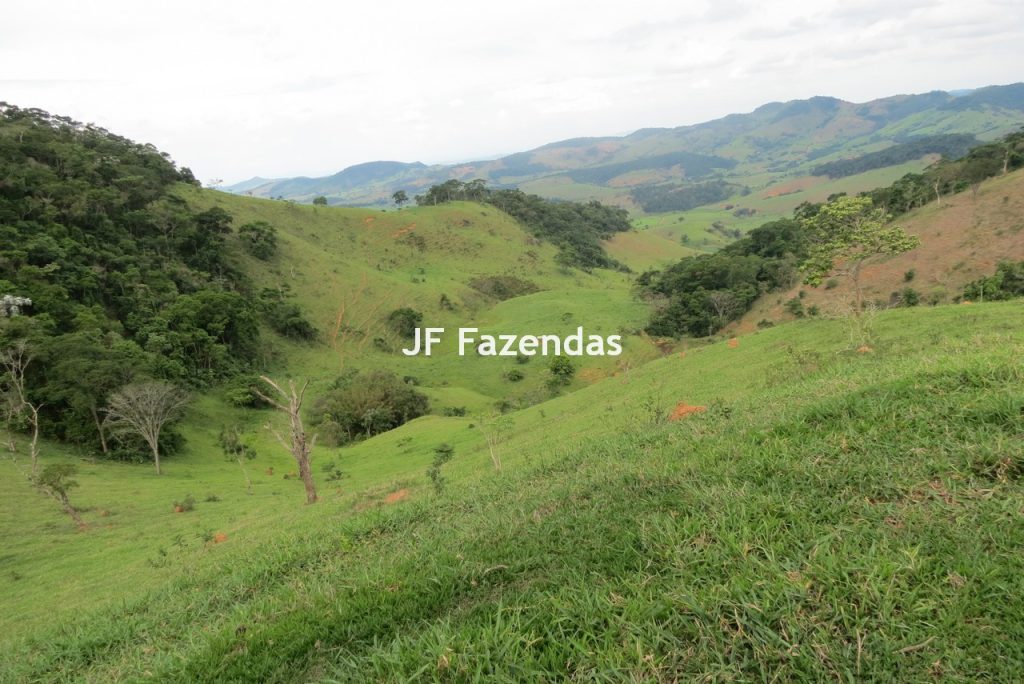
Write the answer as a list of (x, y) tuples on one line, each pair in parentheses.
[(237, 89)]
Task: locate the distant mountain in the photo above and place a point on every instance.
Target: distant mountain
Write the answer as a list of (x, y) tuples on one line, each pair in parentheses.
[(354, 177), (777, 140)]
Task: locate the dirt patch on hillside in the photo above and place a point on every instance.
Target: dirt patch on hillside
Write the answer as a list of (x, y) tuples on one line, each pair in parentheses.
[(395, 497), (961, 241)]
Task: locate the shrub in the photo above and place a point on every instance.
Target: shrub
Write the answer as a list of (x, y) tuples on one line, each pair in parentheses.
[(503, 286), (453, 411), (404, 321), (795, 307), (909, 297), (909, 275), (442, 454), (514, 375), (831, 283), (188, 504), (365, 404), (259, 239)]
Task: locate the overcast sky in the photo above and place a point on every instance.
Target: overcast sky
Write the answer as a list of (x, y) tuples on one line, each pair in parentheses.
[(237, 89)]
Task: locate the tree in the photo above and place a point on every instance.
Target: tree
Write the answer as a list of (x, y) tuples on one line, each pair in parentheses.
[(400, 198), (14, 362), (496, 429), (259, 239), (850, 231), (54, 482), (300, 445), (404, 321), (235, 449), (320, 201), (145, 409), (562, 370)]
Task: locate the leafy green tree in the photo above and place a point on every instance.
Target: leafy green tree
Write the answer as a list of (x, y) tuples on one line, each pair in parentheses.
[(404, 321), (562, 369), (399, 198), (259, 239), (365, 404), (320, 201), (844, 235), (55, 481)]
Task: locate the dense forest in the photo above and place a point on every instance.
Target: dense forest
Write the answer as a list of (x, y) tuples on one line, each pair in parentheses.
[(118, 279), (675, 197), (575, 228), (950, 146)]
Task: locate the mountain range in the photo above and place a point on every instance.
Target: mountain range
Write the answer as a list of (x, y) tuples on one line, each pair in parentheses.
[(736, 153)]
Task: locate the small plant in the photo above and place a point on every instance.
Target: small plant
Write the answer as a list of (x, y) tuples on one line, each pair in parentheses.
[(333, 472), (522, 359), (514, 375), (795, 307), (186, 505), (442, 454), (909, 275), (909, 297), (235, 449), (212, 498), (831, 283), (454, 411)]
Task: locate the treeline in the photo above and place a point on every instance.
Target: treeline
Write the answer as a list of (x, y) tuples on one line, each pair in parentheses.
[(951, 176), (125, 281), (693, 164), (675, 197), (950, 146), (576, 228), (703, 293)]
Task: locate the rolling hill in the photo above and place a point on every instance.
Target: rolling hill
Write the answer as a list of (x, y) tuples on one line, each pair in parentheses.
[(776, 143), (781, 505)]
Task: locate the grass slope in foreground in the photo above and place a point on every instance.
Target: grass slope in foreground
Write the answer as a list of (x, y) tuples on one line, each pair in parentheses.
[(831, 515)]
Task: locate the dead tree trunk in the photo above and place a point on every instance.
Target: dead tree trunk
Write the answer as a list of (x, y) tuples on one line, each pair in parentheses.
[(300, 445)]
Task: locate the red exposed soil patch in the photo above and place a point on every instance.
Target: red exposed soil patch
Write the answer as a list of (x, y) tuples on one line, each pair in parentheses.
[(733, 343), (220, 538), (369, 219), (682, 410), (404, 231), (395, 497), (961, 240)]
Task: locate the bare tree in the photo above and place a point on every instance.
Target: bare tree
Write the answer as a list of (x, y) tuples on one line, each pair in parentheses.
[(300, 444), (725, 305), (496, 429), (14, 361), (144, 409)]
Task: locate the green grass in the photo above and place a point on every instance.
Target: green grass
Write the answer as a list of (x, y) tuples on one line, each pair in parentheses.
[(833, 515)]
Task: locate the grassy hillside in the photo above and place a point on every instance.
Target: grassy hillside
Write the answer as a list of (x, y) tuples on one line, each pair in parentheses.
[(349, 268), (962, 239), (829, 515)]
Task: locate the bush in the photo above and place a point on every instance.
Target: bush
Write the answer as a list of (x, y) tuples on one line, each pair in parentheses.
[(361, 405), (909, 275), (188, 504), (453, 411), (514, 375), (503, 286), (404, 321), (795, 307), (259, 239), (562, 370)]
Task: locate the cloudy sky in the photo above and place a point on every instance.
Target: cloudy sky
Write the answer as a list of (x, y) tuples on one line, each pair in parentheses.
[(237, 89)]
